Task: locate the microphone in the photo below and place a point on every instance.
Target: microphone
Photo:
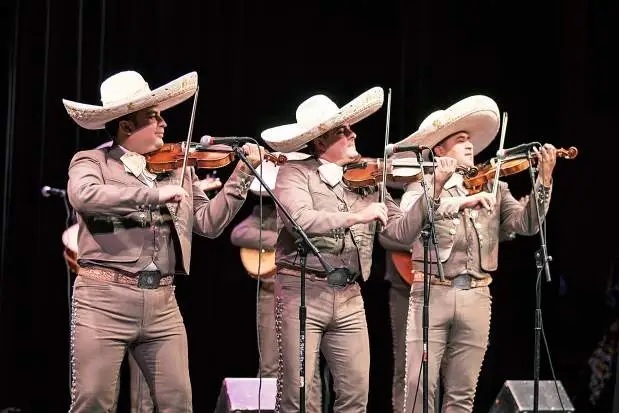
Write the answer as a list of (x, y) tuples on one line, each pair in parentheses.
[(207, 140), (48, 191), (397, 148), (521, 149)]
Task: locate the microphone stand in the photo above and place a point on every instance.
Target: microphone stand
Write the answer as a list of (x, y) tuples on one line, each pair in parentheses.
[(541, 262), (304, 245), (427, 233)]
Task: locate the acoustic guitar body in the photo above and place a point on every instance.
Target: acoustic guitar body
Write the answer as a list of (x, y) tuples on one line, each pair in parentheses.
[(402, 261), (251, 259)]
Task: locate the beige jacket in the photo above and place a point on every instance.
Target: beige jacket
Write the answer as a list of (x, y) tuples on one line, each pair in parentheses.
[(321, 212), (102, 191)]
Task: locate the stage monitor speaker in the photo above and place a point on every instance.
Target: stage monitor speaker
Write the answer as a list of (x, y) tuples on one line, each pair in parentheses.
[(516, 396), (241, 395)]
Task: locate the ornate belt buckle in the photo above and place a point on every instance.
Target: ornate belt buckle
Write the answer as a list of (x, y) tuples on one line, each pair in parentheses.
[(149, 279), (462, 282)]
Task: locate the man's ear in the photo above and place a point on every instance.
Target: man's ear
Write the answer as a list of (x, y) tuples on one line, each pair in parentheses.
[(438, 150), (126, 126), (319, 144)]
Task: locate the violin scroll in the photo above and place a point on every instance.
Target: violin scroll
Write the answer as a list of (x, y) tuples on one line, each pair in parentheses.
[(467, 171), (569, 153), (276, 159)]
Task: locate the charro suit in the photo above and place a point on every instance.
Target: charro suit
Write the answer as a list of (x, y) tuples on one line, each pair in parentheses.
[(336, 324), (459, 322), (123, 230)]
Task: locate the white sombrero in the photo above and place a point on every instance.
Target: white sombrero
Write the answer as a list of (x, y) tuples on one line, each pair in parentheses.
[(477, 115), (269, 173), (319, 114), (127, 92)]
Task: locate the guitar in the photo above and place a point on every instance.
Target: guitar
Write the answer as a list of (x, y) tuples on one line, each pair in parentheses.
[(402, 261), (250, 258)]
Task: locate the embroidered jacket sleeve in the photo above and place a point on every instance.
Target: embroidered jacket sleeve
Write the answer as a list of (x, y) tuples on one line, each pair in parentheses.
[(90, 195), (213, 216), (520, 219), (249, 232), (404, 226), (391, 244)]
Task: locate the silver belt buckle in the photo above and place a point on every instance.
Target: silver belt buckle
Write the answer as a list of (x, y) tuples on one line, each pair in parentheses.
[(462, 282), (149, 279)]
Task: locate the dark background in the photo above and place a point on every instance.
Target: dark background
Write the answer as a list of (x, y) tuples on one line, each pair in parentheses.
[(550, 65)]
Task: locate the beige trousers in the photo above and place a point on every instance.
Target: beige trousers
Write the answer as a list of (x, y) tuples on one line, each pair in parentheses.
[(107, 320), (399, 293), (141, 400), (337, 327), (459, 324)]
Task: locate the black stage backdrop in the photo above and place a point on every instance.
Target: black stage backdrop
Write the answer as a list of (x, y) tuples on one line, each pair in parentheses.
[(548, 64)]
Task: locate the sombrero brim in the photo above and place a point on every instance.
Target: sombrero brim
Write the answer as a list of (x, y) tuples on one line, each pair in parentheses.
[(165, 97), (476, 115), (292, 137)]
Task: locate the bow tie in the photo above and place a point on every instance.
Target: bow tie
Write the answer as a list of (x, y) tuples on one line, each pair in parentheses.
[(331, 173), (136, 164)]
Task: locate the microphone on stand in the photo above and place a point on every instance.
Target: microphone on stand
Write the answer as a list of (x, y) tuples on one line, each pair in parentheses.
[(207, 140), (521, 149), (397, 148), (48, 191)]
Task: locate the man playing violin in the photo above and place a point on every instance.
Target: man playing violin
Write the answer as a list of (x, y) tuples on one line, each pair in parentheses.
[(468, 229), (341, 223), (134, 235)]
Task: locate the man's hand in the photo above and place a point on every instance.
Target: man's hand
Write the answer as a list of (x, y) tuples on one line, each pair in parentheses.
[(254, 153), (171, 193), (547, 158), (480, 200), (445, 167), (374, 211)]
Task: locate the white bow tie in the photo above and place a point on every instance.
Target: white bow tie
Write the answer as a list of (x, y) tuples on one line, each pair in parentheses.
[(331, 173), (136, 164)]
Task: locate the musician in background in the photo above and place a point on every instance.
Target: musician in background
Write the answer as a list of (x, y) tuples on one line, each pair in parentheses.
[(255, 233), (259, 231), (468, 229)]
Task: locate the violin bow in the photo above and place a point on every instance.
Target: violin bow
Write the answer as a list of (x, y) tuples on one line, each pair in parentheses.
[(189, 135), (495, 184), (383, 181)]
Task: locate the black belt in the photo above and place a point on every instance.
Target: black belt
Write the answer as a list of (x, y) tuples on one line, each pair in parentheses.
[(341, 277)]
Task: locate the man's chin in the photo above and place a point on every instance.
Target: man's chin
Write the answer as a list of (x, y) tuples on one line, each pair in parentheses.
[(352, 153), (468, 161)]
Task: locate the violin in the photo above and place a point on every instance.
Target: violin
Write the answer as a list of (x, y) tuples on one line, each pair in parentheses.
[(487, 170), (171, 155), (367, 172)]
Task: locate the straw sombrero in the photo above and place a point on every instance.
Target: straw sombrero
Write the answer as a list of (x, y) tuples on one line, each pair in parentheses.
[(269, 173), (127, 92), (319, 114), (477, 115)]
